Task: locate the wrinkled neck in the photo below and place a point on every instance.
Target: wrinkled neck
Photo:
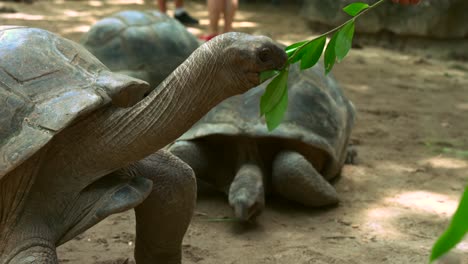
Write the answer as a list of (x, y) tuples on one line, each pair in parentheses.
[(115, 137), (170, 110)]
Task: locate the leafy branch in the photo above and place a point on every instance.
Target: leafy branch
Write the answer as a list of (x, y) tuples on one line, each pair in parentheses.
[(274, 101)]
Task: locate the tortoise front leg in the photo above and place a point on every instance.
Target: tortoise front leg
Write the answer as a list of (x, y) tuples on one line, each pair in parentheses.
[(163, 218), (24, 238), (294, 178)]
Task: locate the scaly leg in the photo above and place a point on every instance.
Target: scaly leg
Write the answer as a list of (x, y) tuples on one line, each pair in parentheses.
[(163, 218), (296, 179)]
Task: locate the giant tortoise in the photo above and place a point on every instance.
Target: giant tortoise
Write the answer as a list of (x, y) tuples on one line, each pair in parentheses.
[(76, 140), (147, 45), (231, 148)]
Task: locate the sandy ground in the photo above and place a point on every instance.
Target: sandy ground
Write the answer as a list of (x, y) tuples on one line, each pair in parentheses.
[(412, 165)]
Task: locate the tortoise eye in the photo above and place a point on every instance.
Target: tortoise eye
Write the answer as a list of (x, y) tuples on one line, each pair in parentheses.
[(265, 55)]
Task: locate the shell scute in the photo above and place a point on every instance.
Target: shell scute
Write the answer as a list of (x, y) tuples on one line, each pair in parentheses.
[(46, 83)]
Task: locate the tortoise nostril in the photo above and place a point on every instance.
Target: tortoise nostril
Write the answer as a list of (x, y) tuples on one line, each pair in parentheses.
[(265, 55)]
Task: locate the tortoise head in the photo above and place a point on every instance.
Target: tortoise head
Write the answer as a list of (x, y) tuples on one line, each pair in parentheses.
[(244, 58), (246, 193), (246, 205)]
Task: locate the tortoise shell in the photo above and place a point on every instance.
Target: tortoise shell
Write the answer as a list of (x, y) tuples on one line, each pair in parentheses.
[(46, 83), (143, 44), (318, 116)]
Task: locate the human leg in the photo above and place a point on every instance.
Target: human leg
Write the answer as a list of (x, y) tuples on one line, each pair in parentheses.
[(230, 9), (162, 6), (215, 7), (179, 3)]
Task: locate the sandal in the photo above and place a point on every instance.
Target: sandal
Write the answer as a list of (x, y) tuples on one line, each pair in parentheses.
[(207, 37)]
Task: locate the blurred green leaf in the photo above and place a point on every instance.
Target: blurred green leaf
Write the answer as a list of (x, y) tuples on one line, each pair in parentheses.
[(313, 51), (274, 92), (293, 47), (265, 75), (330, 56), (294, 56), (276, 115), (297, 56), (355, 8), (455, 232), (456, 152), (344, 40)]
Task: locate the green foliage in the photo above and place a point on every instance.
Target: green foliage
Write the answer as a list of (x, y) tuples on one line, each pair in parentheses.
[(275, 116), (344, 40), (290, 51), (448, 147), (459, 153), (274, 92), (355, 8), (275, 101), (330, 54), (455, 232), (267, 75), (312, 52), (309, 54)]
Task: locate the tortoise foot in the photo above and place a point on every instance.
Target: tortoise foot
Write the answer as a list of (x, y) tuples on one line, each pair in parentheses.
[(294, 178), (33, 252)]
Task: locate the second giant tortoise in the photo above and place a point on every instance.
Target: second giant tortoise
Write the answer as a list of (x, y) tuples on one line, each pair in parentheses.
[(231, 148), (147, 45), (77, 140)]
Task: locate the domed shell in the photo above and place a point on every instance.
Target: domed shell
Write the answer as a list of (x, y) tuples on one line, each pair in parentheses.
[(47, 82), (148, 44), (318, 116)]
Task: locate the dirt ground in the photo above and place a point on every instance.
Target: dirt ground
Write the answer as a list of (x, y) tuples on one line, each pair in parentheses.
[(412, 165)]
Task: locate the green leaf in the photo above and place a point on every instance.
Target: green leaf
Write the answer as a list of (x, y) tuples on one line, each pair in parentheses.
[(330, 56), (293, 47), (455, 232), (456, 152), (355, 8), (276, 115), (297, 56), (274, 92), (313, 51), (344, 40), (265, 75)]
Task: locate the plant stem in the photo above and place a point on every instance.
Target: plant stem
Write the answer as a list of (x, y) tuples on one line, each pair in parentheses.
[(339, 27)]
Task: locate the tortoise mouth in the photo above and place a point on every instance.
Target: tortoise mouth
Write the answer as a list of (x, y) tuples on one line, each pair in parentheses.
[(253, 78), (245, 213)]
